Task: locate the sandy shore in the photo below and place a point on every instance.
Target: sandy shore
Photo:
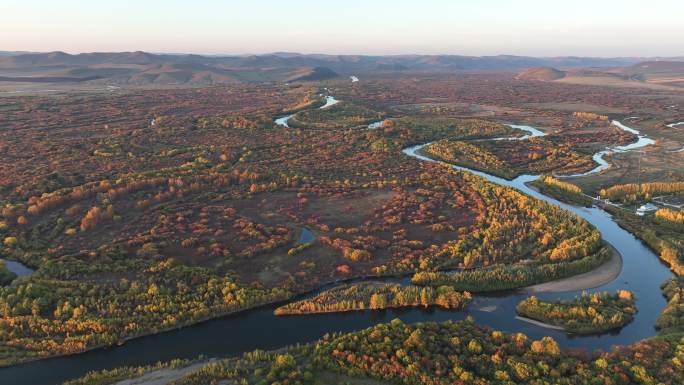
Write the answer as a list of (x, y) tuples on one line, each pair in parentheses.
[(539, 323), (600, 276)]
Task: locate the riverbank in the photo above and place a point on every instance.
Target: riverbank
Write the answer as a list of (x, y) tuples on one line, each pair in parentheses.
[(539, 323), (600, 276), (605, 273)]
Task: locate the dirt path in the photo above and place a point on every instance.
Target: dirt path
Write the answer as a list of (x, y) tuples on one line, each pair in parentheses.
[(600, 276)]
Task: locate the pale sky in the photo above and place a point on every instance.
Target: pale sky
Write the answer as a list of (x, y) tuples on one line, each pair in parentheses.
[(466, 27)]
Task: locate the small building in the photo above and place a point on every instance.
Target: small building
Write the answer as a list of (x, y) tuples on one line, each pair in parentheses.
[(646, 208)]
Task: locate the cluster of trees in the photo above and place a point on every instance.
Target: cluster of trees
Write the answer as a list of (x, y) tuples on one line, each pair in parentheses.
[(584, 119), (671, 320), (549, 180), (429, 127), (662, 237), (507, 277), (632, 192), (338, 116), (288, 366), (312, 100), (563, 191), (291, 366), (460, 352), (376, 296), (95, 216), (508, 158), (469, 155), (674, 217), (585, 314), (235, 122), (59, 316), (583, 115), (539, 155), (515, 229)]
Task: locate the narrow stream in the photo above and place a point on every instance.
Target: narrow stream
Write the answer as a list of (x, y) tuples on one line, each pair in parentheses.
[(642, 273), (329, 101), (282, 121), (642, 141), (17, 268)]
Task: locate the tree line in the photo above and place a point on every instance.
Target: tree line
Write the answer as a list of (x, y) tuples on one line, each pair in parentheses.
[(376, 296)]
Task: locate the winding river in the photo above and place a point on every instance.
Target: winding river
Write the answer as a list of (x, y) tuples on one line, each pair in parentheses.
[(641, 273), (329, 101), (642, 141)]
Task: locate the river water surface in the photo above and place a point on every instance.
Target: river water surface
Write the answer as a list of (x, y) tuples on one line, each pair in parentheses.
[(17, 268)]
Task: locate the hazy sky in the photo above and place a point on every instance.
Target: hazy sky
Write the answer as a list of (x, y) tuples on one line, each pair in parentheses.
[(469, 27)]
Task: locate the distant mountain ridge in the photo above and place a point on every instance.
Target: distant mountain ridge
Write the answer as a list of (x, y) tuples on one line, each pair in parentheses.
[(334, 62), (653, 74), (148, 68)]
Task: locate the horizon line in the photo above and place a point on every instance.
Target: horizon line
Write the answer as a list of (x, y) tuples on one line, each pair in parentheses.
[(173, 53)]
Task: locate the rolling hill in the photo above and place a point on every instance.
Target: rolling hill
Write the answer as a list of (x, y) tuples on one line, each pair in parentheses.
[(143, 68), (542, 74)]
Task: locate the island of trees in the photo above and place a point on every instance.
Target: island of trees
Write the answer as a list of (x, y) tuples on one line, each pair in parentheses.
[(585, 314), (338, 116), (376, 296), (510, 158)]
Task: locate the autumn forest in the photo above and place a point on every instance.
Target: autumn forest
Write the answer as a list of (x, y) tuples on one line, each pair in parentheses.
[(136, 212)]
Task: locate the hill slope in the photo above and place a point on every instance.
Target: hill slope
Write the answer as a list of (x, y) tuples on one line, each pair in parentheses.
[(312, 74), (545, 74)]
